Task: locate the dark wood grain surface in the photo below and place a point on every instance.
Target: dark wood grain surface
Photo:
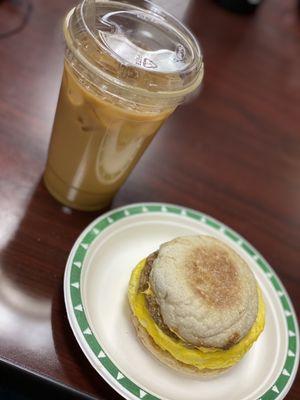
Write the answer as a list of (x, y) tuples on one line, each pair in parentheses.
[(234, 153)]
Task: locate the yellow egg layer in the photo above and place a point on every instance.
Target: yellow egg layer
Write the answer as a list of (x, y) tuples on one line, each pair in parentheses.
[(202, 357)]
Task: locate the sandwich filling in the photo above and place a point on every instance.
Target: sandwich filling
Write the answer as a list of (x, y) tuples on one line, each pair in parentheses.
[(147, 311), (150, 300)]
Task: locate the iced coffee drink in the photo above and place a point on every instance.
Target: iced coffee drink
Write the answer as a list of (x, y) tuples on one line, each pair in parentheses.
[(127, 67)]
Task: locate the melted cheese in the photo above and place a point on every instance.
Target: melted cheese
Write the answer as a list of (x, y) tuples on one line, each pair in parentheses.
[(202, 357)]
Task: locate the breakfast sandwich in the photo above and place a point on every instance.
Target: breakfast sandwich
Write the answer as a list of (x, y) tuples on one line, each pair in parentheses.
[(196, 305)]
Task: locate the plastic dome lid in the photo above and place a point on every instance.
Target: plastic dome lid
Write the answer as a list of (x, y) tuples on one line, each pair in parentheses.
[(135, 44)]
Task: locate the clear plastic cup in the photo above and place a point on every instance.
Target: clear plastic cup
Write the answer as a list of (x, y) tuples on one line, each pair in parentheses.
[(128, 65)]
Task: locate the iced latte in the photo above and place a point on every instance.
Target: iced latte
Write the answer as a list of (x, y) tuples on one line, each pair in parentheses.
[(125, 72)]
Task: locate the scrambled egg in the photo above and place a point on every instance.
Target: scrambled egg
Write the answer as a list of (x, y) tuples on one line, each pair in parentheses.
[(202, 357)]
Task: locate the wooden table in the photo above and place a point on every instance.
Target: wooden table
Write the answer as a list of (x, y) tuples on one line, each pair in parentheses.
[(234, 153)]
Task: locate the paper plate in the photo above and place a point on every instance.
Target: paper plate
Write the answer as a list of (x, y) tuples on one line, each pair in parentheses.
[(95, 286)]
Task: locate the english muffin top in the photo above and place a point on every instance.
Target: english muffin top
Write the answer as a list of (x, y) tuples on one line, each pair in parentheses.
[(206, 292)]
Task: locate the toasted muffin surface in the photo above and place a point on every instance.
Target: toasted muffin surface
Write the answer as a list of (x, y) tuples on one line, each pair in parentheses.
[(206, 293)]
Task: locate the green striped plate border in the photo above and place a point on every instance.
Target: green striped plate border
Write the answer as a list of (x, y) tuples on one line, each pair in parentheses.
[(77, 317)]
